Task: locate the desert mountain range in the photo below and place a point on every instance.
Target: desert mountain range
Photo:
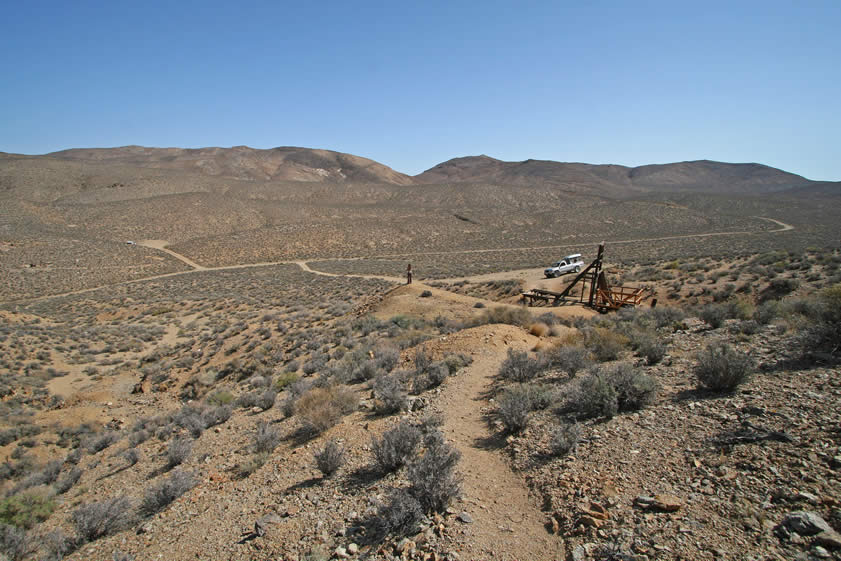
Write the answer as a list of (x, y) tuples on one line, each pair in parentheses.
[(292, 164)]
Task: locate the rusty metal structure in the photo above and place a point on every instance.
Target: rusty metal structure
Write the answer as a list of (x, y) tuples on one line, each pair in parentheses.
[(595, 289)]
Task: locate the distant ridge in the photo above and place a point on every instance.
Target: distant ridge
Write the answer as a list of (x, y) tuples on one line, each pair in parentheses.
[(701, 176), (200, 169), (286, 163)]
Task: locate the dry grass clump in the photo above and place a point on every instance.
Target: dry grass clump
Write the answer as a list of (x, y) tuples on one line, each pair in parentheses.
[(321, 408), (539, 329)]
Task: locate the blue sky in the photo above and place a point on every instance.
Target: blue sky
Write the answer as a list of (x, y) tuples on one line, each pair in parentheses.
[(411, 84)]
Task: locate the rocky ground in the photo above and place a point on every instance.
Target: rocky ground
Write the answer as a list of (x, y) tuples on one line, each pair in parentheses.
[(700, 475), (752, 474)]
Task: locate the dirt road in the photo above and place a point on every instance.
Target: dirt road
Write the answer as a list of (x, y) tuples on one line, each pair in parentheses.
[(161, 245)]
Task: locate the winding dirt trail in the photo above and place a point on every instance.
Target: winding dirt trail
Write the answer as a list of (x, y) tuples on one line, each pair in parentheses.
[(161, 245), (507, 522)]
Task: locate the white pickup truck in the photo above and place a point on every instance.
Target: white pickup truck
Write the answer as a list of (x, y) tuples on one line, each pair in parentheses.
[(569, 264)]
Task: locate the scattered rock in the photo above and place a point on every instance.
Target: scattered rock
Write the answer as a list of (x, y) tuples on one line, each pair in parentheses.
[(262, 523), (661, 503), (805, 523), (820, 552), (466, 518), (830, 539)]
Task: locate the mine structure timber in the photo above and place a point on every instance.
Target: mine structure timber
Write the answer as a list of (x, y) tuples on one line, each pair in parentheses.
[(595, 290)]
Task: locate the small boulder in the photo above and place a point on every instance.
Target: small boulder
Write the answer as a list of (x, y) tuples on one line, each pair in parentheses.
[(662, 503), (830, 539), (805, 523)]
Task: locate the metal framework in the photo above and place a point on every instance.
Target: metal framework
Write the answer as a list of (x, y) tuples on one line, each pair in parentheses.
[(600, 295)]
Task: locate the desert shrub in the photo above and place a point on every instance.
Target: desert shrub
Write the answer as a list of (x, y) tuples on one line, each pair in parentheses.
[(65, 483), (739, 308), (15, 544), (98, 443), (651, 348), (396, 447), (213, 416), (713, 315), (178, 452), (330, 458), (131, 455), (296, 389), (74, 457), (540, 396), (604, 344), (431, 377), (284, 379), (266, 438), (766, 312), (24, 510), (161, 494), (247, 400), (595, 396), (433, 480), (390, 395), (500, 314), (96, 520), (565, 438), (315, 364), (45, 476), (401, 516), (634, 389), (720, 368), (822, 331), (138, 437), (666, 316), (321, 408), (251, 465), (519, 367), (569, 359), (221, 397), (457, 361), (190, 419), (56, 545), (430, 422), (778, 288), (266, 400), (387, 358), (513, 410), (748, 327), (539, 329), (258, 382)]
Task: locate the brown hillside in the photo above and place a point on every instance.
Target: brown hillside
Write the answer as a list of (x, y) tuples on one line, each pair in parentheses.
[(613, 180), (242, 162)]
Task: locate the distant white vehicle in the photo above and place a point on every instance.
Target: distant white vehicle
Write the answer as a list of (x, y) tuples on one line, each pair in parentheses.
[(129, 242), (569, 264)]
